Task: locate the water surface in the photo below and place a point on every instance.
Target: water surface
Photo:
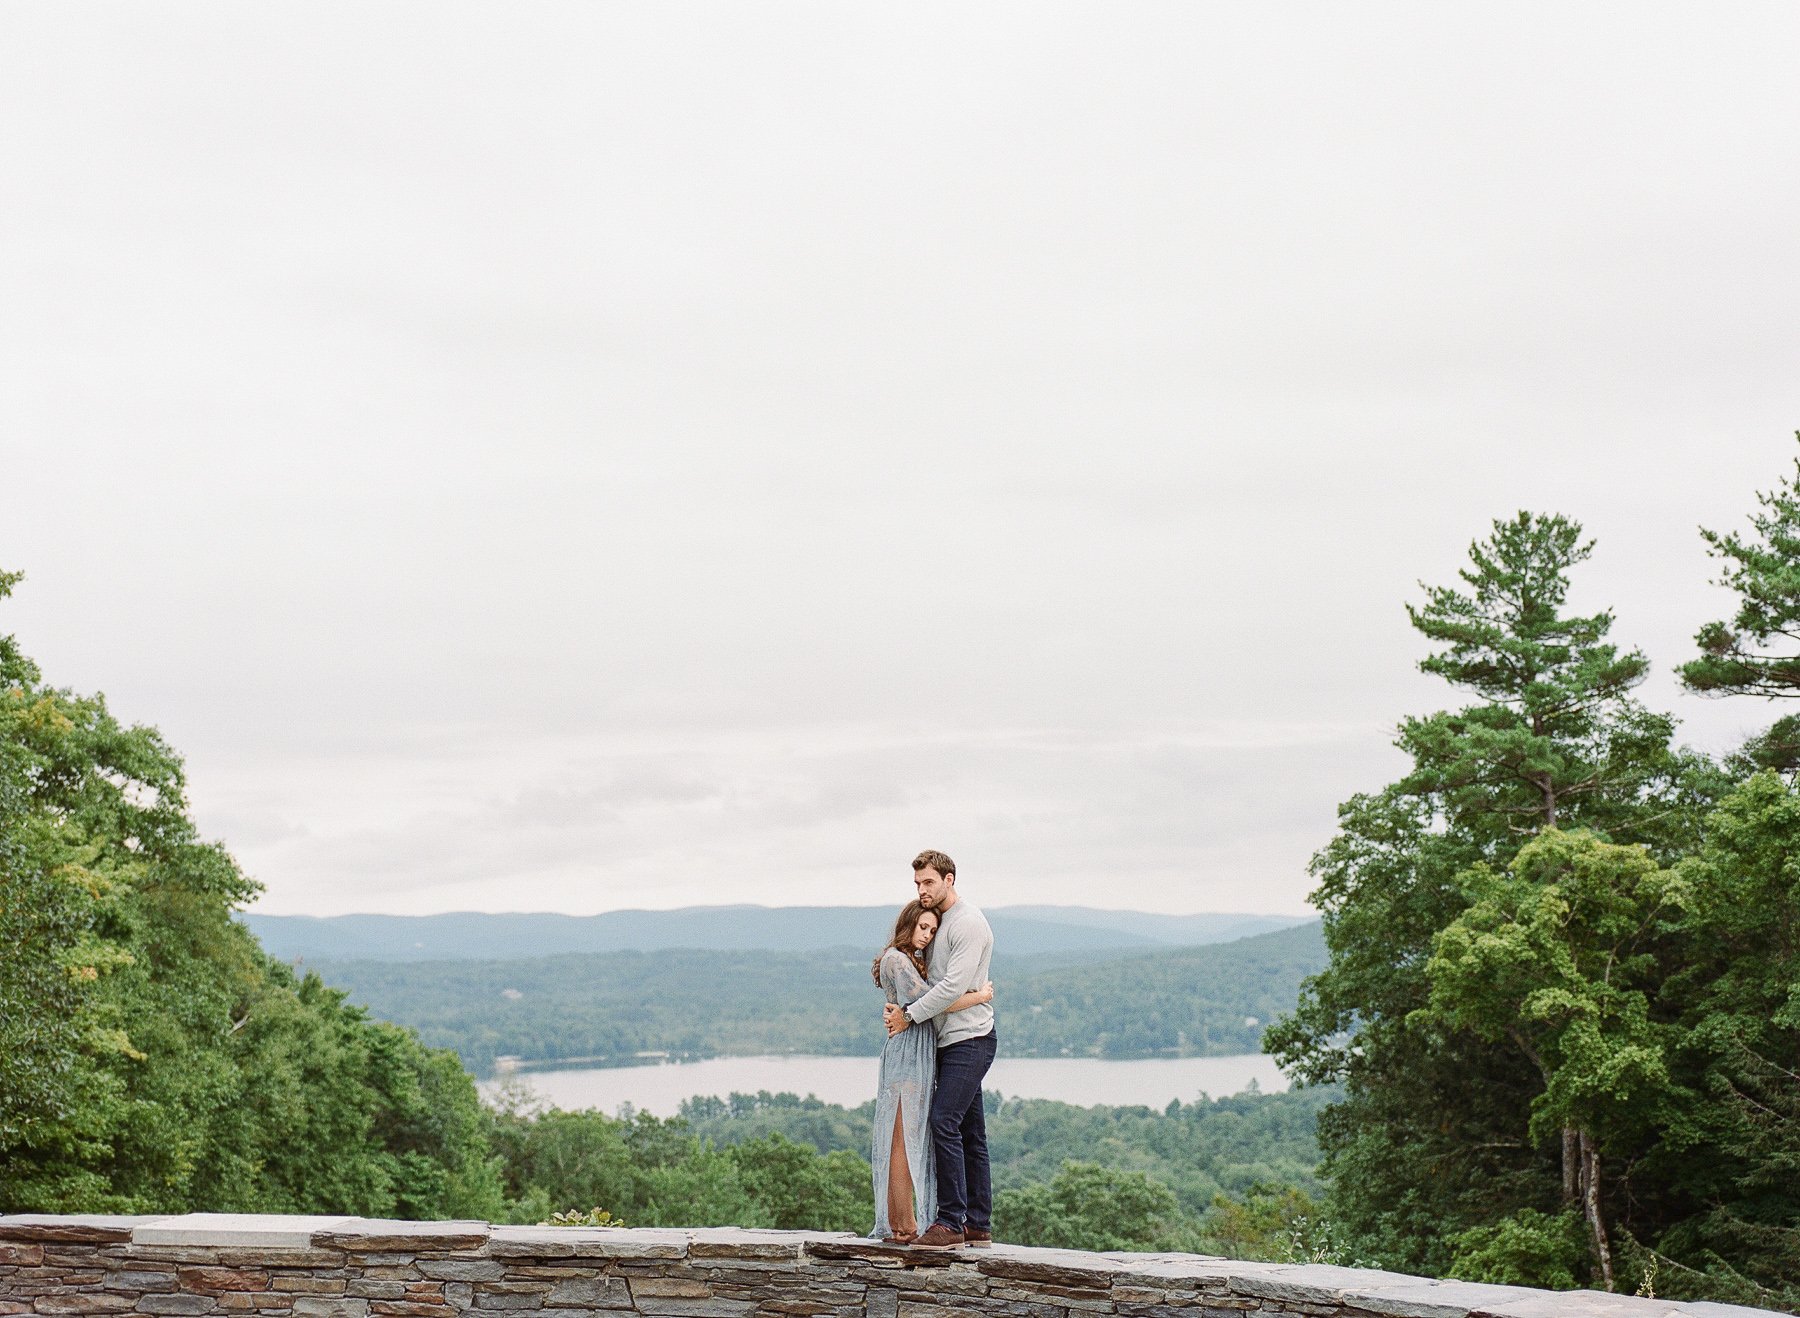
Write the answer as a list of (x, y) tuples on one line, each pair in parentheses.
[(1084, 1081)]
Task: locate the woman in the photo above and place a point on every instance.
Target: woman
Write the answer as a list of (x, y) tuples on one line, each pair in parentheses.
[(905, 1168)]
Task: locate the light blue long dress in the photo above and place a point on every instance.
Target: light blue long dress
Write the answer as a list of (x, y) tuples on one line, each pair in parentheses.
[(908, 1074)]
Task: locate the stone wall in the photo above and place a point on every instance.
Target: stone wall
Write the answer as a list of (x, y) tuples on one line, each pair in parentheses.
[(323, 1267)]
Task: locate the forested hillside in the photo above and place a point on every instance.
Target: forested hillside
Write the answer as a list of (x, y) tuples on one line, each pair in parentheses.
[(1197, 1001)]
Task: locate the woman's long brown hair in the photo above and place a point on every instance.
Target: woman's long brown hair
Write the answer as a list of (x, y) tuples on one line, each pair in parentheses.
[(903, 936)]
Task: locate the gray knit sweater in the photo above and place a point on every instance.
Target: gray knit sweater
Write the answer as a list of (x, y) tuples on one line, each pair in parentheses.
[(958, 961)]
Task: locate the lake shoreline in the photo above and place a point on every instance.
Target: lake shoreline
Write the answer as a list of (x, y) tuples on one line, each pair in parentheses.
[(848, 1081), (660, 1057)]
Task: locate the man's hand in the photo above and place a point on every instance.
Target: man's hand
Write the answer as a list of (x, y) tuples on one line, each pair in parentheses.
[(895, 1019)]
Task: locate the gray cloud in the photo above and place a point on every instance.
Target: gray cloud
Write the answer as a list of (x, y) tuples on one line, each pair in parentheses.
[(571, 457)]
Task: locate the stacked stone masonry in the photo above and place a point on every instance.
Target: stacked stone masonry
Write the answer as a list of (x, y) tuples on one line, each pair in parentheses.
[(296, 1267)]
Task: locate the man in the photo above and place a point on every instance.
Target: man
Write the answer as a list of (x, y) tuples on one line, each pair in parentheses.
[(957, 962)]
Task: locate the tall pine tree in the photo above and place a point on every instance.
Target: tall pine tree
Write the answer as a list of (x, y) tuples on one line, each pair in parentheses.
[(1556, 736), (1435, 1134)]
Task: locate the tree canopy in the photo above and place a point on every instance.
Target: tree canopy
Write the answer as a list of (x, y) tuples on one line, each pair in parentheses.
[(1560, 996), (152, 1059)]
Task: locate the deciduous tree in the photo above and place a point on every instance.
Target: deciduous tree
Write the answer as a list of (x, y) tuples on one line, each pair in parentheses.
[(1556, 954)]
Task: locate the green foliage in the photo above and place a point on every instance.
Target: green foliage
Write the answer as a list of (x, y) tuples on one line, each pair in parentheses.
[(1085, 1206), (660, 1173), (1757, 652), (825, 1126), (1197, 1175), (1777, 748), (575, 1217), (1436, 1124), (1556, 955), (1734, 992), (1186, 1002), (1264, 1222), (151, 1058), (1429, 1130), (1556, 725), (1200, 1150), (1560, 997), (800, 1189), (1528, 1248)]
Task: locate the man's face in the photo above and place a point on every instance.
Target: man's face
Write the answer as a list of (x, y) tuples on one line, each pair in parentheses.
[(933, 887)]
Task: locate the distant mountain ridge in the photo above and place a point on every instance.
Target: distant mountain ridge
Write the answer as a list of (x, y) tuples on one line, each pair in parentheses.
[(609, 1008), (482, 936)]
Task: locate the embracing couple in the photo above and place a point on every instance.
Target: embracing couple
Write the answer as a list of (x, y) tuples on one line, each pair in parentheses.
[(930, 1150)]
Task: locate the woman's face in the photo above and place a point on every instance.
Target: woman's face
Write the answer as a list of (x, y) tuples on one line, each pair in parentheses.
[(923, 930)]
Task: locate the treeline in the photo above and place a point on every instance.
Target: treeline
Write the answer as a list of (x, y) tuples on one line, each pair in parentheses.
[(646, 1171), (1192, 1001), (1222, 1176), (1198, 1150), (1562, 996)]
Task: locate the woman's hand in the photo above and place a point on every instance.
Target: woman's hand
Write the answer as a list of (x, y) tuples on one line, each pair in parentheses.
[(986, 992)]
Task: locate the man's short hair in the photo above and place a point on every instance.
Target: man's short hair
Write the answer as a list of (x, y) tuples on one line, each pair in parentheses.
[(936, 860)]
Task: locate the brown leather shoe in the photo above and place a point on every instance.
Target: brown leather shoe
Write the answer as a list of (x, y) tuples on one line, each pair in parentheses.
[(939, 1236), (975, 1238)]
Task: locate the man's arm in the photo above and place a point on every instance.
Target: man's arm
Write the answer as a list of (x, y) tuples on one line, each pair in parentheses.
[(896, 1019), (959, 975)]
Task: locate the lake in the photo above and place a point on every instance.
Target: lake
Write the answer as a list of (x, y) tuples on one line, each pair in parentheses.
[(1083, 1081)]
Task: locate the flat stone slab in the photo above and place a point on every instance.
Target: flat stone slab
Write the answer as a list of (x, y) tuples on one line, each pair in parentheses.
[(744, 1243), (262, 1230), (1422, 1297), (371, 1235), (861, 1249), (1575, 1304), (89, 1229), (1054, 1267), (596, 1242)]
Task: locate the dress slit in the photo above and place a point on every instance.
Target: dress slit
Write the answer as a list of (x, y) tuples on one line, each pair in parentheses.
[(903, 1102)]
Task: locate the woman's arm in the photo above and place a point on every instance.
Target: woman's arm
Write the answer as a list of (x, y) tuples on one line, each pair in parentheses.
[(894, 971), (973, 998), (902, 978)]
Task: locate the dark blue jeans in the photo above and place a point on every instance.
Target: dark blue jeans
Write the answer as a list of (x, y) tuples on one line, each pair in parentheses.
[(959, 1135)]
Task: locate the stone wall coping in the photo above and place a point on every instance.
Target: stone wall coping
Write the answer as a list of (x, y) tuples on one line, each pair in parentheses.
[(1355, 1290), (265, 1231), (84, 1228)]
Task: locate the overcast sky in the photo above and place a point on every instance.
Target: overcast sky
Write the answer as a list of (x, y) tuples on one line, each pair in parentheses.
[(569, 457)]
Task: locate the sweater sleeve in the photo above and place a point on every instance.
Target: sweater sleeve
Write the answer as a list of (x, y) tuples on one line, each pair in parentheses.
[(959, 977)]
